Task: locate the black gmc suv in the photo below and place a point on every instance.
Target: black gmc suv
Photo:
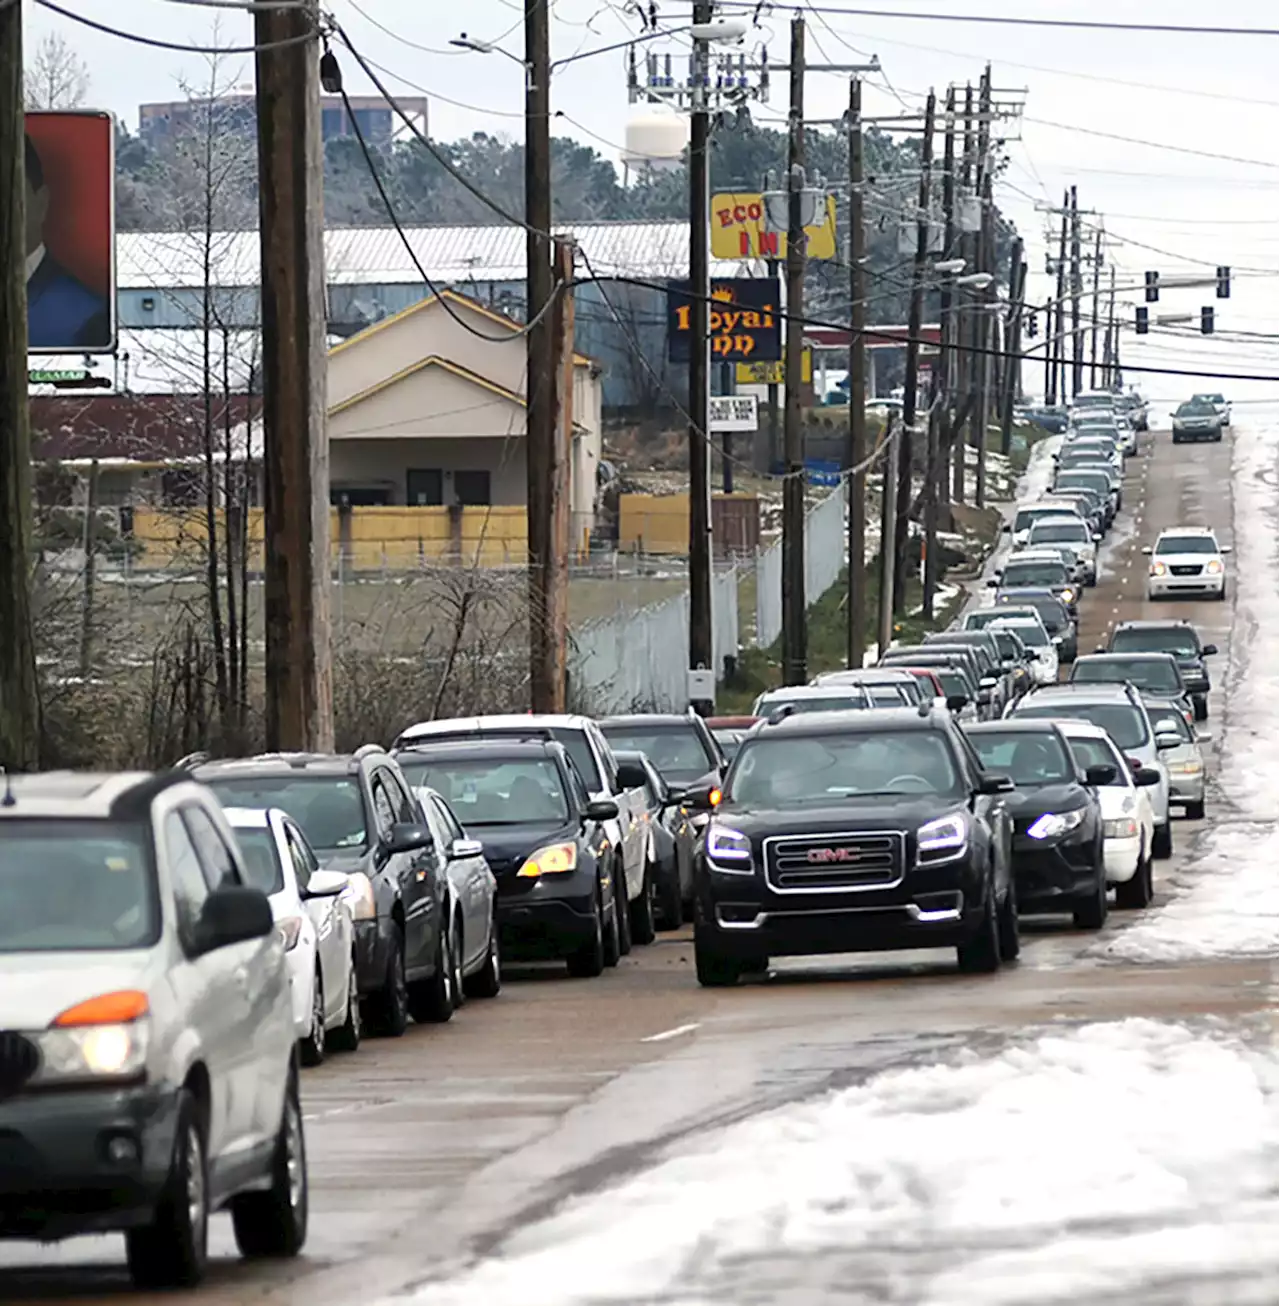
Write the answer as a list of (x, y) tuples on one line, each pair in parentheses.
[(1178, 638), (854, 832)]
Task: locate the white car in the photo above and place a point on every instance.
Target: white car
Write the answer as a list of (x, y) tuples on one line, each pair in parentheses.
[(313, 919), (1052, 532), (1187, 560), (813, 698), (1027, 623), (1027, 514), (1128, 823)]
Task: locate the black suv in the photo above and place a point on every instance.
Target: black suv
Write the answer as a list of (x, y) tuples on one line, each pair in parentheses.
[(854, 832), (1058, 863), (360, 815), (1177, 638)]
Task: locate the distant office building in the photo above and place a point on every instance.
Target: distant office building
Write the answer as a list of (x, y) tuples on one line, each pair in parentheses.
[(379, 122)]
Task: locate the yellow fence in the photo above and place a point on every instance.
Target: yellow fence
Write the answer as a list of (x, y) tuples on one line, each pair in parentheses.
[(659, 523), (367, 539)]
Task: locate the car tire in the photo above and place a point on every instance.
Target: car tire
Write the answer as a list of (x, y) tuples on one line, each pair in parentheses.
[(1137, 892), (642, 929), (1195, 811), (346, 1038), (433, 1001), (671, 900), (389, 1006), (713, 968), (311, 1049), (1200, 707), (487, 981), (1090, 910), (1162, 842), (980, 954), (273, 1223), (1010, 935), (622, 909), (173, 1249), (589, 960)]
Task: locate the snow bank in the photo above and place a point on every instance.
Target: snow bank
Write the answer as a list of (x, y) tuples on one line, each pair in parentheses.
[(1089, 1162)]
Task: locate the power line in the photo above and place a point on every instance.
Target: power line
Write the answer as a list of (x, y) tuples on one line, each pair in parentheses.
[(1152, 145), (183, 48)]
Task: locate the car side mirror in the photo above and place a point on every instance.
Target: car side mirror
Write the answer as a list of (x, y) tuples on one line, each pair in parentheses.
[(1097, 537), (1005, 528), (1100, 773), (988, 682), (1100, 648), (993, 582), (1164, 742), (957, 702), (1208, 651), (462, 849), (1225, 548), (406, 837), (1204, 736), (1147, 550), (235, 913), (1146, 776), (326, 884), (995, 784), (601, 809), (703, 798)]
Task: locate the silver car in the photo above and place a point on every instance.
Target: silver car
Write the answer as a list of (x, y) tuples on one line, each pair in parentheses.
[(1184, 760), (148, 1064)]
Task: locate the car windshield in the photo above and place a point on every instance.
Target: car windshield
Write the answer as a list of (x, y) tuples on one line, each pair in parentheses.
[(1009, 644), (1123, 722), (1166, 721), (493, 791), (1035, 573), (1153, 674), (1085, 479), (327, 807), (1032, 635), (1097, 752), (1208, 399), (1177, 640), (676, 751), (890, 696), (849, 702), (1196, 408), (730, 741), (1026, 517), (575, 743), (1187, 544), (261, 857), (1026, 758), (76, 886), (1051, 610), (784, 773), (1059, 532)]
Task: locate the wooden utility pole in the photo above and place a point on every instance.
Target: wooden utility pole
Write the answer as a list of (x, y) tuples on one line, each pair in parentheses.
[(19, 688), (984, 333), (938, 506), (911, 380), (1013, 345), (1109, 370), (794, 609), (701, 654), (90, 546), (1048, 351), (856, 642), (295, 463), (1097, 280), (1059, 344), (1077, 285), (964, 359), (888, 534)]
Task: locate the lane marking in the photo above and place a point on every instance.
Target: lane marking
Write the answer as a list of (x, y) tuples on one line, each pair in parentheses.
[(672, 1033)]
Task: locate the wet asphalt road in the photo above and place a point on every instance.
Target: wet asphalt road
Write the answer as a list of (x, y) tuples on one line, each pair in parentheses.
[(428, 1150)]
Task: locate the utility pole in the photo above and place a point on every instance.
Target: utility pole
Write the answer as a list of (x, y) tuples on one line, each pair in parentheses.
[(1077, 343), (701, 655), (1059, 343), (90, 545), (985, 323), (19, 689), (1097, 278), (964, 323), (295, 463), (888, 534), (856, 642), (1048, 352), (1112, 334), (938, 505), (911, 380), (1013, 345), (794, 609)]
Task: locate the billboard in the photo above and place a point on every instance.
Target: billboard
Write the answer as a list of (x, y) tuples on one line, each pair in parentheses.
[(744, 320), (70, 170), (774, 373), (738, 229)]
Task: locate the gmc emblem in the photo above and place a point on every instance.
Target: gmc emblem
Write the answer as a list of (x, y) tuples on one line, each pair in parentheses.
[(820, 855)]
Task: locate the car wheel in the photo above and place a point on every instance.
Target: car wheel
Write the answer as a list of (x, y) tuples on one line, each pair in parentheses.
[(1090, 911), (487, 981), (622, 909), (173, 1249), (433, 1001), (1010, 935), (641, 924), (1195, 811), (274, 1222), (389, 1007), (346, 1038), (312, 1048), (1200, 707), (714, 969), (1162, 842), (670, 899), (589, 960), (1138, 891), (980, 955)]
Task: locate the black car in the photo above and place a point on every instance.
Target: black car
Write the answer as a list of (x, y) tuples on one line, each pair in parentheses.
[(993, 688), (682, 749), (1153, 673), (957, 678), (1058, 863), (1178, 638), (854, 832), (671, 838), (1052, 574), (360, 815), (545, 841), (1053, 612), (1016, 659)]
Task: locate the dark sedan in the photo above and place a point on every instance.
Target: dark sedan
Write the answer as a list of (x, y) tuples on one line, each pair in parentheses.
[(1053, 612), (671, 838)]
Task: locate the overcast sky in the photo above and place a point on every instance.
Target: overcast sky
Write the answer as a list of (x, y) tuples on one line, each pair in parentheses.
[(1215, 96)]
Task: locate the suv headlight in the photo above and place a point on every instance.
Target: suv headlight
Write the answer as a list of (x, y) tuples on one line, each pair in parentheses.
[(554, 859), (725, 845), (1158, 569), (1053, 825), (1213, 567), (946, 838), (104, 1038), (358, 895)]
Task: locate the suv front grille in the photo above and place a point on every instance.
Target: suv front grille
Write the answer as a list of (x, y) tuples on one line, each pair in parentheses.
[(19, 1060), (1186, 569), (845, 862)]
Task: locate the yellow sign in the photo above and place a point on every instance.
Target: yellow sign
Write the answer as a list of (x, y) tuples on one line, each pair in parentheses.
[(773, 373), (738, 230)]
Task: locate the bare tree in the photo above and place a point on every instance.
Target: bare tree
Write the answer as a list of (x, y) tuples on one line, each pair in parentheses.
[(56, 76)]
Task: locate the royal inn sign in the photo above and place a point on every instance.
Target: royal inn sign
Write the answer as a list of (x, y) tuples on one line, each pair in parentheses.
[(744, 320)]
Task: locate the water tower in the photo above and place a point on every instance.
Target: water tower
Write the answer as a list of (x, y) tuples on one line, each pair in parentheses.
[(655, 141)]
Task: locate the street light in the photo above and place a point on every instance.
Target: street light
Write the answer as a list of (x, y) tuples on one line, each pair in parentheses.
[(949, 265), (975, 280)]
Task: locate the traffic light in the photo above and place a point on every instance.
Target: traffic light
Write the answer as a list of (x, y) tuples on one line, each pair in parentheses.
[(1206, 320), (1224, 283), (1153, 287), (1140, 324), (1033, 328)]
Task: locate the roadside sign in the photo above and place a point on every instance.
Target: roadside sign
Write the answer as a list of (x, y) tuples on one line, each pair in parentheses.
[(773, 373), (743, 320), (732, 413), (738, 229)]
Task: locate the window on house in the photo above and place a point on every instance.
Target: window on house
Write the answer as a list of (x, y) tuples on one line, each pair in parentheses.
[(472, 488), (424, 487)]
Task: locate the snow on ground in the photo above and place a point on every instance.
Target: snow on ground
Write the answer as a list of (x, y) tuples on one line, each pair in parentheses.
[(1109, 1161)]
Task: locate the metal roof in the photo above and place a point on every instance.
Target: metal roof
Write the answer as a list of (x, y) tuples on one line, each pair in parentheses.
[(377, 256)]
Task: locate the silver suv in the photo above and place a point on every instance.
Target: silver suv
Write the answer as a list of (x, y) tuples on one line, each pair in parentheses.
[(148, 1070)]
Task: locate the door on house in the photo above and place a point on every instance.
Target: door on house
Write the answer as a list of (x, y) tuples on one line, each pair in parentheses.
[(424, 487)]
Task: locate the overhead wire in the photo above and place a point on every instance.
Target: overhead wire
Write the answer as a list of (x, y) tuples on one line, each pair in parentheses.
[(182, 47)]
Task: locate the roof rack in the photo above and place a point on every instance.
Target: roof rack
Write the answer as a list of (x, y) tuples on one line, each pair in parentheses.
[(191, 761), (367, 750), (136, 800), (780, 714)]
